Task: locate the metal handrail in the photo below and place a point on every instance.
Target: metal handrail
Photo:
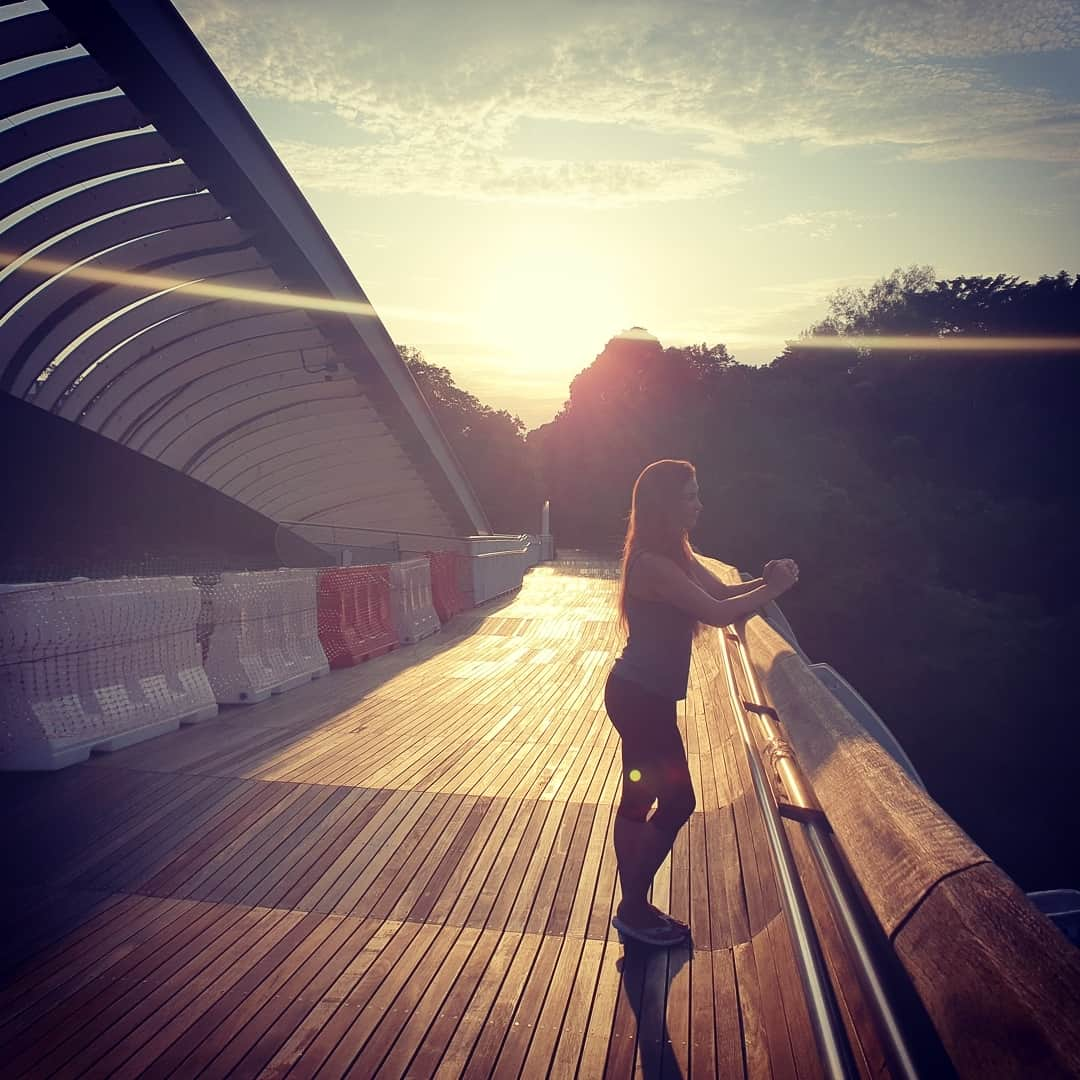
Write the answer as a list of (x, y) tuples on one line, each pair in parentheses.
[(838, 886), (405, 532), (825, 1020), (364, 528)]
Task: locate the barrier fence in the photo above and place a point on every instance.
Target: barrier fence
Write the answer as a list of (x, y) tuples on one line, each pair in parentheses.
[(96, 665), (496, 573), (263, 636), (411, 600), (446, 591), (355, 616)]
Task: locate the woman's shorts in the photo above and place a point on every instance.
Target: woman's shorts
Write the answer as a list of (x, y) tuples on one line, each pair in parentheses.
[(653, 756)]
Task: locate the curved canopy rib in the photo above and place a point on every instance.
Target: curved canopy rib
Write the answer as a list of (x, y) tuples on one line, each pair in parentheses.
[(138, 200)]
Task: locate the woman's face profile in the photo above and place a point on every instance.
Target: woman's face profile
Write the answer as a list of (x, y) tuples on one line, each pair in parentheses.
[(690, 504)]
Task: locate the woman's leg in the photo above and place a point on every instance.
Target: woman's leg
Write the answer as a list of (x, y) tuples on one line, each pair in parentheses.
[(640, 850), (642, 846), (654, 768)]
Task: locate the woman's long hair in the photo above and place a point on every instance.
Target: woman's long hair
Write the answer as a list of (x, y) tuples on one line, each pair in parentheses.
[(655, 521)]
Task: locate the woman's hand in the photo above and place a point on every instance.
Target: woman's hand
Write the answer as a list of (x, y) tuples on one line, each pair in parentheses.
[(781, 574)]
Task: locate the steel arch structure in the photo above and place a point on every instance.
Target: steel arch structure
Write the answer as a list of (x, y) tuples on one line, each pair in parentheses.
[(164, 283)]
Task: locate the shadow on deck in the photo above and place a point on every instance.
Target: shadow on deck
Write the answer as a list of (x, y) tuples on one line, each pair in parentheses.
[(402, 868)]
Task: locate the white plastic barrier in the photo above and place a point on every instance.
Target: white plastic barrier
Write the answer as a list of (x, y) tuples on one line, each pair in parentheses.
[(410, 600), (96, 665), (495, 573), (260, 633)]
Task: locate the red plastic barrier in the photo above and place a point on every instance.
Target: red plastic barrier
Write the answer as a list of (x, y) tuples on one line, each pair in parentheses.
[(355, 618), (445, 587)]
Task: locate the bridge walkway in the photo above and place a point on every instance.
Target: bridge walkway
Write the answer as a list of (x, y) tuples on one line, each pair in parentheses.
[(401, 869)]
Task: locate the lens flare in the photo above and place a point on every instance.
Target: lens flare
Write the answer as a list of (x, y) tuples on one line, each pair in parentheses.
[(198, 287), (940, 343)]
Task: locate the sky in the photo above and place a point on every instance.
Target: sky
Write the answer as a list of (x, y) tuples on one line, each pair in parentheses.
[(515, 183)]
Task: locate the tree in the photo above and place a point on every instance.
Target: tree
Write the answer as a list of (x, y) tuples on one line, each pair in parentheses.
[(636, 403), (927, 492), (488, 442)]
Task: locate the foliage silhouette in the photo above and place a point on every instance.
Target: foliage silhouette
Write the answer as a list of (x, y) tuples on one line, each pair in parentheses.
[(488, 442), (928, 496)]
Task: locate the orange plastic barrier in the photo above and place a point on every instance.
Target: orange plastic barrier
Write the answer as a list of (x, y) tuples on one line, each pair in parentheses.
[(355, 617), (446, 584)]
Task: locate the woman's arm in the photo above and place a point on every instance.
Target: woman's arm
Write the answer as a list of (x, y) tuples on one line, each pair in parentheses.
[(720, 590), (659, 578)]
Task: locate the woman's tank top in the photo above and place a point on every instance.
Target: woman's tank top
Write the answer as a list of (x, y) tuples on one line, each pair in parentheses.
[(657, 653)]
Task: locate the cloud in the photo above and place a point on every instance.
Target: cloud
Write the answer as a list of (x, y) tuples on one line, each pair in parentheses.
[(967, 28), (820, 224), (460, 172), (436, 94)]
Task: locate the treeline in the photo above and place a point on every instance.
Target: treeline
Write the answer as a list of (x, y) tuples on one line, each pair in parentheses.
[(927, 493)]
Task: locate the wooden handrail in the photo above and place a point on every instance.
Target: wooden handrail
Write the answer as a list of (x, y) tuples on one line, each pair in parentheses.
[(1000, 983)]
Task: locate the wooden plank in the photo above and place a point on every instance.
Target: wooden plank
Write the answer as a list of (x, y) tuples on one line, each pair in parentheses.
[(512, 953), (377, 994), (44, 919), (148, 849), (415, 1033), (379, 851), (859, 1024), (258, 880), (554, 1013), (370, 827), (293, 1006), (977, 947), (133, 823), (493, 904), (621, 1049), (763, 906), (95, 1012), (479, 963), (423, 892), (424, 849), (376, 1026), (241, 979), (572, 873), (298, 887), (502, 1008), (450, 893), (570, 1033), (82, 957), (521, 1027), (306, 1019), (675, 1037), (590, 901), (354, 992), (119, 1031), (166, 936), (660, 1050), (194, 874), (228, 1033), (752, 1022)]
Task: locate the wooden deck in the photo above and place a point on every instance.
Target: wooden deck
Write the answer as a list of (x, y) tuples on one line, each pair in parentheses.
[(402, 869)]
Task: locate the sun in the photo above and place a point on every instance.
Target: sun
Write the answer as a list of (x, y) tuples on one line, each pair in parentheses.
[(552, 305)]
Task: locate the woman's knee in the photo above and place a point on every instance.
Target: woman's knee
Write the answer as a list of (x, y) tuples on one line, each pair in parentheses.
[(676, 806)]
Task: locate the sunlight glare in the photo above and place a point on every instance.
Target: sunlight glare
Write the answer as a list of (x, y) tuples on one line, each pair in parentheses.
[(552, 306)]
